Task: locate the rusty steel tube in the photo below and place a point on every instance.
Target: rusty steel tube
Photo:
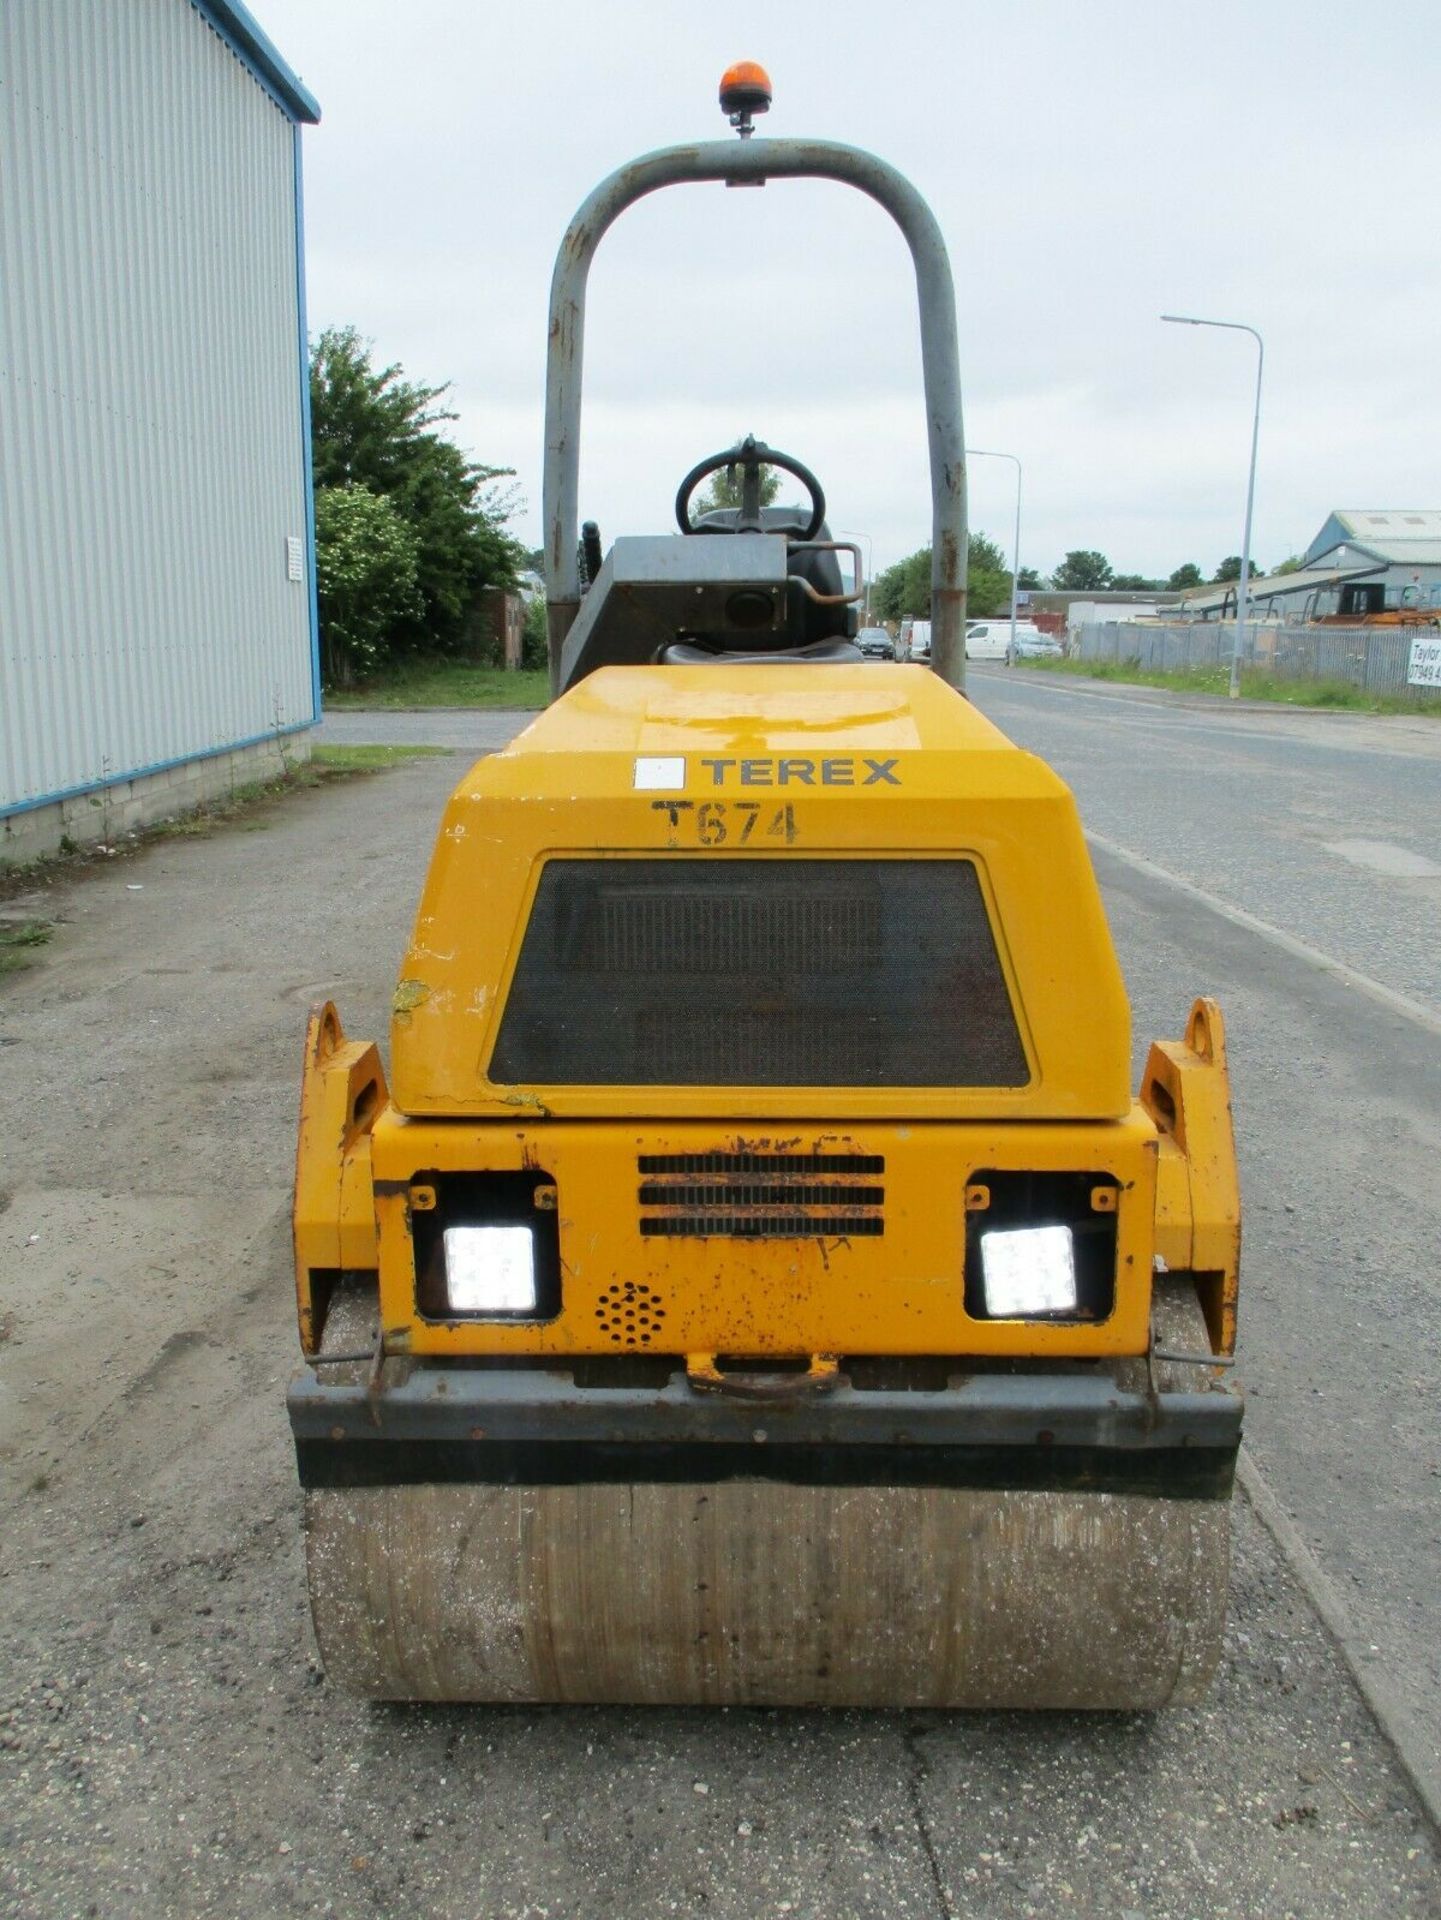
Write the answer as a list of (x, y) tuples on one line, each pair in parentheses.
[(754, 161)]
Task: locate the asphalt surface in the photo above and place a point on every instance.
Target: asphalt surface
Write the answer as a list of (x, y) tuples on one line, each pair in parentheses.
[(1337, 1095), (168, 1746), (1325, 825)]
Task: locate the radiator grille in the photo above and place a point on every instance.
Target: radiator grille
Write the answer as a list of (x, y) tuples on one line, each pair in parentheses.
[(729, 972), (744, 1196), (701, 931)]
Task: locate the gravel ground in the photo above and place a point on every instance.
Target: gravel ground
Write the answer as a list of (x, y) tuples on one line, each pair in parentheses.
[(167, 1742)]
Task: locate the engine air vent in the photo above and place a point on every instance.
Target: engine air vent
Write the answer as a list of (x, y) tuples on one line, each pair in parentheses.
[(761, 1196)]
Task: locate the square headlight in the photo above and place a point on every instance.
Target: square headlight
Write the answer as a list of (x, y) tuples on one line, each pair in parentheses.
[(490, 1270), (1028, 1272)]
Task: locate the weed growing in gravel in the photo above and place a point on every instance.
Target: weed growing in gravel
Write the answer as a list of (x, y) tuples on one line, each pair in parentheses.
[(17, 941)]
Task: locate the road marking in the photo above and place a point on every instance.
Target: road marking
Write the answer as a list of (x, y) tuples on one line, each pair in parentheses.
[(1133, 701), (1405, 734), (1384, 856), (1310, 956)]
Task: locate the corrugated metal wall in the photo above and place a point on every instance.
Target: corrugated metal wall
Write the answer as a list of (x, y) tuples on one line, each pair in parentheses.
[(152, 458)]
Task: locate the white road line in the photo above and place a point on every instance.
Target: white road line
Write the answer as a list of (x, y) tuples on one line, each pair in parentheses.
[(1384, 996), (1130, 702), (1407, 734)]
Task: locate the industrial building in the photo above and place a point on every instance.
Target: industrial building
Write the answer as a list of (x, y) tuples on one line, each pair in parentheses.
[(158, 639), (1364, 561)]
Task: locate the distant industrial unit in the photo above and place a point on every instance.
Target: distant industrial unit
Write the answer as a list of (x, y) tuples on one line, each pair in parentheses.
[(157, 572), (1363, 564)]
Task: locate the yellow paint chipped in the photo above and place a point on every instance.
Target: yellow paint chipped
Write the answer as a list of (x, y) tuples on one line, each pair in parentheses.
[(529, 1102), (409, 995)]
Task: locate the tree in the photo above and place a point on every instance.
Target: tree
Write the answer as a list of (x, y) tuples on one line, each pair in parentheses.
[(1030, 580), (365, 564), (1083, 568), (1293, 564), (1185, 576), (904, 590), (988, 578), (378, 430), (1131, 583), (1229, 569), (723, 489)]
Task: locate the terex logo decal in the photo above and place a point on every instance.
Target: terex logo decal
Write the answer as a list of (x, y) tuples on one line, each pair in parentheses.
[(845, 771)]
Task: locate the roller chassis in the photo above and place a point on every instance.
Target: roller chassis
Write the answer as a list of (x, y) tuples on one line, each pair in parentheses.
[(762, 1082)]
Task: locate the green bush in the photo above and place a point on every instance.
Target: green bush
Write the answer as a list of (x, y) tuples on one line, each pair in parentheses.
[(534, 645), (365, 563)]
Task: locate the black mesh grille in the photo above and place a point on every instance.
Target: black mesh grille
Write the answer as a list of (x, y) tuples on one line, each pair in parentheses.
[(699, 930), (747, 1194), (761, 1196), (737, 972), (755, 1046), (748, 1164), (780, 1226)]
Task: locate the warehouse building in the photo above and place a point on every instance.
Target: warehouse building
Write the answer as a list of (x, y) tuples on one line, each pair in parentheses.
[(1364, 561), (158, 639)]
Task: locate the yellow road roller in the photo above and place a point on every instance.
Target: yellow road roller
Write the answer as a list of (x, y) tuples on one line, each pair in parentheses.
[(756, 1282)]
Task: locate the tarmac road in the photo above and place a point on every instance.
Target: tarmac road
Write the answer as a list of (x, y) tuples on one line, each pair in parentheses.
[(166, 1744), (1321, 826)]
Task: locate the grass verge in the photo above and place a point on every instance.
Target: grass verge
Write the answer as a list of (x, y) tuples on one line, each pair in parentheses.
[(246, 808), (1256, 684), (446, 683)]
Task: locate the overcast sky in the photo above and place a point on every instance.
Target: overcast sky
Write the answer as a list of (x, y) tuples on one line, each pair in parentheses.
[(1092, 166)]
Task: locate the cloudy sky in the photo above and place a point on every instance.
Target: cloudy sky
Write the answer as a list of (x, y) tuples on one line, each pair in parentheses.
[(1092, 166)]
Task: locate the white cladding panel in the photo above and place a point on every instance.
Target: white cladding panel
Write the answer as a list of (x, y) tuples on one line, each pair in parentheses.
[(152, 451)]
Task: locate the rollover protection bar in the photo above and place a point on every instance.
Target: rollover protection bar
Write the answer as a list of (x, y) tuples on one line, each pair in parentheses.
[(752, 163)]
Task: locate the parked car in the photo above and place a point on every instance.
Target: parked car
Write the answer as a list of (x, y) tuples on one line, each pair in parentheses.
[(1035, 645), (876, 644), (915, 640), (991, 639)]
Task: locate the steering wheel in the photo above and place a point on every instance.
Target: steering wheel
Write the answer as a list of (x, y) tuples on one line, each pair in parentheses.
[(751, 453)]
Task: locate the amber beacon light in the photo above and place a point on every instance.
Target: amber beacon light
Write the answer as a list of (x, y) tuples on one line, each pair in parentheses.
[(745, 90)]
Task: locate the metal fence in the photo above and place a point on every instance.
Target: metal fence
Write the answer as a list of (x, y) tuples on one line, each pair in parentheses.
[(1371, 659)]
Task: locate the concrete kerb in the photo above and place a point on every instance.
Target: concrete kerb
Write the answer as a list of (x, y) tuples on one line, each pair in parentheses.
[(1398, 1724)]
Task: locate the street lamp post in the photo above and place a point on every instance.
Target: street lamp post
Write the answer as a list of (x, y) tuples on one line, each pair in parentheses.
[(1242, 585), (984, 453)]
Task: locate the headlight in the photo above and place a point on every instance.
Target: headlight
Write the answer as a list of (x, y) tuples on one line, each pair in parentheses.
[(490, 1270), (1027, 1272)]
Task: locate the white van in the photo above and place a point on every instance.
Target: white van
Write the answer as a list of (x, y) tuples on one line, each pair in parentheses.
[(991, 639), (915, 640)]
